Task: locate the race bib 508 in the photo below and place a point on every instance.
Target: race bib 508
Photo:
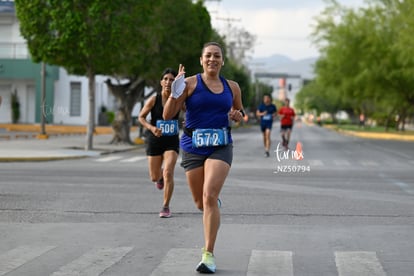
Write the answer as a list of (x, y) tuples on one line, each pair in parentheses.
[(168, 127)]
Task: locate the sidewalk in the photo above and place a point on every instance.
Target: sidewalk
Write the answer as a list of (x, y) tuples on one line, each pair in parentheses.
[(26, 147), (374, 135)]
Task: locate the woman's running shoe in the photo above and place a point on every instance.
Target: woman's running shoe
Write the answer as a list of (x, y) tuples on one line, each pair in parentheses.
[(160, 184), (207, 264), (165, 212)]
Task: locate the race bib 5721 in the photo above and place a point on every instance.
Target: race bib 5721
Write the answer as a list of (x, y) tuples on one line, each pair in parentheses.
[(210, 137)]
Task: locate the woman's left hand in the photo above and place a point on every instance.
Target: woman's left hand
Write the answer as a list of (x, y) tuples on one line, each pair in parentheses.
[(236, 115)]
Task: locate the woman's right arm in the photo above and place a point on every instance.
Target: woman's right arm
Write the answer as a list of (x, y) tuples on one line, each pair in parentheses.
[(173, 106), (178, 95), (142, 117)]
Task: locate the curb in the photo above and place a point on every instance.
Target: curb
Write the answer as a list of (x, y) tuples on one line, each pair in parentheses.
[(39, 159), (58, 158), (374, 135)]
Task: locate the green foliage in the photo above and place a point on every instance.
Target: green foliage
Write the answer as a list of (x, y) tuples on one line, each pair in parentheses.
[(366, 65), (111, 116), (125, 38), (238, 73)]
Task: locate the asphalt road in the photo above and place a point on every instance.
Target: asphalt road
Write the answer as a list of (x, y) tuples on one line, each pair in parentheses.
[(346, 209)]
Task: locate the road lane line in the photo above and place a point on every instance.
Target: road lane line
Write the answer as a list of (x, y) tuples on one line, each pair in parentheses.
[(94, 262), (178, 261), (358, 263), (134, 159), (270, 263), (19, 256), (109, 158)]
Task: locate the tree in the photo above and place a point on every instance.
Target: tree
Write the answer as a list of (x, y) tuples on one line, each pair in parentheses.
[(174, 45), (85, 37), (132, 41), (361, 60)]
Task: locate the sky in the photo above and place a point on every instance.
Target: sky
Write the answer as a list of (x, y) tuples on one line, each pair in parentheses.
[(281, 26)]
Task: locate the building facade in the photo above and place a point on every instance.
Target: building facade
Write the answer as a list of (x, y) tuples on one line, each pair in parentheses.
[(63, 98)]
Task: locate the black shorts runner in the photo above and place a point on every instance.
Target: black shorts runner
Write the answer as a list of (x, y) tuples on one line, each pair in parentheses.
[(157, 146), (191, 161)]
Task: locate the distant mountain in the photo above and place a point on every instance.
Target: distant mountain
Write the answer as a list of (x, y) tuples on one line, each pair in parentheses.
[(283, 64), (272, 60)]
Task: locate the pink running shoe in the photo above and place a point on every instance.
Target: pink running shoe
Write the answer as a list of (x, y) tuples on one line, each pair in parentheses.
[(160, 184), (165, 212)]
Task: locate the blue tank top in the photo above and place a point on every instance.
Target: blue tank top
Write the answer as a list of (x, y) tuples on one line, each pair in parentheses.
[(205, 109)]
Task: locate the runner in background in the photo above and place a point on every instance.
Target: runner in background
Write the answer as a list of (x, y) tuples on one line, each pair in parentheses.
[(267, 112), (162, 141), (287, 115)]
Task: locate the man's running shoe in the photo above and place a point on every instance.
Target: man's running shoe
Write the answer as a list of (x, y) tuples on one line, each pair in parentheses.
[(267, 154), (165, 212), (207, 264), (160, 184)]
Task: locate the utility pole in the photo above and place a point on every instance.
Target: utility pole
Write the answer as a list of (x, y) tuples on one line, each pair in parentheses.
[(42, 134)]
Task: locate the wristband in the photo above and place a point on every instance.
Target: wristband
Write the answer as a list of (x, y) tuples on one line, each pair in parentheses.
[(177, 87), (242, 112)]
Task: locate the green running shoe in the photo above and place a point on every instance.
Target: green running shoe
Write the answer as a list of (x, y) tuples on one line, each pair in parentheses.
[(207, 264)]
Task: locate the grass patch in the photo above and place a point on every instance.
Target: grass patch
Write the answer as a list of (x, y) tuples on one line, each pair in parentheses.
[(378, 129)]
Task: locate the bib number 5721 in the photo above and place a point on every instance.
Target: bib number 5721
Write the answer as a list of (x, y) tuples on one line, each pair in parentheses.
[(209, 138)]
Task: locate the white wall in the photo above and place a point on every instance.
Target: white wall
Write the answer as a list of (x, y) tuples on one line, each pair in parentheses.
[(5, 108), (61, 108), (21, 88), (26, 97), (30, 104)]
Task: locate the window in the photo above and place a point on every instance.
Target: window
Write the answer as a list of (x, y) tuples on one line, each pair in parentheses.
[(75, 99)]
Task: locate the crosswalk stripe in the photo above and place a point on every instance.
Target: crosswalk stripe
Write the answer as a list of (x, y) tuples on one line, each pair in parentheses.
[(109, 158), (19, 256), (270, 263), (358, 263), (134, 159), (178, 261), (94, 262)]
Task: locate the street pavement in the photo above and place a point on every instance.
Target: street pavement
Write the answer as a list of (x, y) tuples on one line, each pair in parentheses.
[(25, 146), (350, 214)]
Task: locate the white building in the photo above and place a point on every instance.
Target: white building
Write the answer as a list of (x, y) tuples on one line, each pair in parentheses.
[(66, 96)]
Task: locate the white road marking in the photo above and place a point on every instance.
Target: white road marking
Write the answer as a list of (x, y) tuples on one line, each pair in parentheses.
[(109, 158), (178, 261), (270, 263), (358, 263), (134, 159), (19, 256), (94, 262)]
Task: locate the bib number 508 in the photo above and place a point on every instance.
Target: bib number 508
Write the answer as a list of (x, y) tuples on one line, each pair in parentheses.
[(168, 128)]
